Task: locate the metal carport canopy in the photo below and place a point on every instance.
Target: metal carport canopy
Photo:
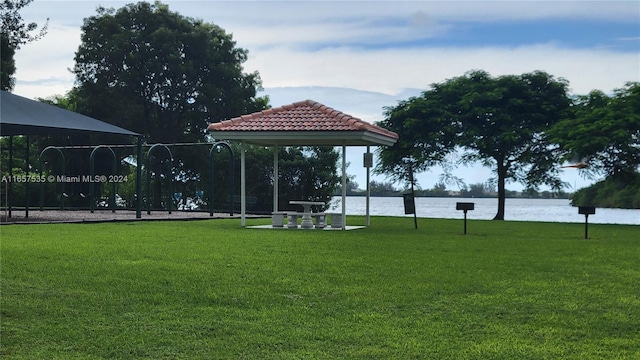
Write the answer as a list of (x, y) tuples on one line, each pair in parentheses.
[(304, 123), (22, 116)]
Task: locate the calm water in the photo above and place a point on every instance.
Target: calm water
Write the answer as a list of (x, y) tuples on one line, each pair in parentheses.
[(553, 210)]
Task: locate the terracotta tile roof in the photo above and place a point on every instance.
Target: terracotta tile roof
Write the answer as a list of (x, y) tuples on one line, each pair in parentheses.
[(301, 116)]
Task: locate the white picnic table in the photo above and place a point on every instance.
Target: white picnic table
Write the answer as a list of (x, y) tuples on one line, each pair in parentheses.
[(306, 223)]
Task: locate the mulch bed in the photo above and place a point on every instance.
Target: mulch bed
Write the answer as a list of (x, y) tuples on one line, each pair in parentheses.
[(83, 216)]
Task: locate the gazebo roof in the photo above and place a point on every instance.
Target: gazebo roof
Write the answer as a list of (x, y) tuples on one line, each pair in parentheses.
[(303, 123)]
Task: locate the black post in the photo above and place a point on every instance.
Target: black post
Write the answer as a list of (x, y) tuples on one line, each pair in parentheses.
[(28, 171), (586, 226), (586, 210), (465, 206), (413, 196), (465, 222), (139, 178), (10, 184)]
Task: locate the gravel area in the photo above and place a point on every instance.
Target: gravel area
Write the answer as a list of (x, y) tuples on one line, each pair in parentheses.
[(75, 216)]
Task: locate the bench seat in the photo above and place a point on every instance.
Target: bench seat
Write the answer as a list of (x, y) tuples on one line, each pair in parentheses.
[(292, 219), (321, 220), (337, 220), (277, 219)]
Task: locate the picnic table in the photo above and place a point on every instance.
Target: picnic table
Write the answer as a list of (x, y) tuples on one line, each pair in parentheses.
[(307, 223)]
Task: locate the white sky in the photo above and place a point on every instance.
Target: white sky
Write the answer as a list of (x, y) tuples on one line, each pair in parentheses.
[(359, 56)]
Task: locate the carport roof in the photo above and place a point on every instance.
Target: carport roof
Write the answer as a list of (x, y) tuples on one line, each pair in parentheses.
[(302, 123), (22, 116)]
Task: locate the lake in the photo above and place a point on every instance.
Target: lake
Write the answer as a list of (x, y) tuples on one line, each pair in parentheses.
[(551, 210)]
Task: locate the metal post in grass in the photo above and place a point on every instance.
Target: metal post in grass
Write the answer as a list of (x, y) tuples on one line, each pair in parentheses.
[(139, 178), (27, 170), (409, 200), (10, 183), (586, 210), (465, 206)]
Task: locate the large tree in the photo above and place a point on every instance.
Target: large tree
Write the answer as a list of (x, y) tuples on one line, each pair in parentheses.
[(14, 33), (500, 121), (604, 134), (604, 138), (161, 74), (164, 75), (427, 135)]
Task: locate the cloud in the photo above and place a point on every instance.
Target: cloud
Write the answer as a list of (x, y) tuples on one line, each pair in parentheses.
[(259, 25), (381, 46), (42, 67), (390, 71)]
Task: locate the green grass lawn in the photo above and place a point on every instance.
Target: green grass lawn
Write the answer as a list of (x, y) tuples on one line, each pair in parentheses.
[(212, 290)]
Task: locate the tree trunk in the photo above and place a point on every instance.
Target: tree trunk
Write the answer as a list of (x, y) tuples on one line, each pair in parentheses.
[(502, 174)]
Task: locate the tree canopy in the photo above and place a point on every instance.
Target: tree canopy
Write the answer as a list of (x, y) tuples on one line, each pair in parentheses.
[(14, 33), (500, 121), (166, 76), (605, 131), (158, 73)]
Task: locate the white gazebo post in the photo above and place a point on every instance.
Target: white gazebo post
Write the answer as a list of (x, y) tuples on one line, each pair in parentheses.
[(243, 198), (344, 186), (368, 159), (275, 178)]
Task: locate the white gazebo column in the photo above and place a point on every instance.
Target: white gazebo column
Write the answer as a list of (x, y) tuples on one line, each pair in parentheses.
[(275, 178), (368, 166), (243, 197), (344, 187)]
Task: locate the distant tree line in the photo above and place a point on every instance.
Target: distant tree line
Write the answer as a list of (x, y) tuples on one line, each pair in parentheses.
[(480, 190)]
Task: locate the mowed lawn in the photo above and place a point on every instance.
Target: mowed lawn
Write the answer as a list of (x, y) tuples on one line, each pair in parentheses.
[(212, 290)]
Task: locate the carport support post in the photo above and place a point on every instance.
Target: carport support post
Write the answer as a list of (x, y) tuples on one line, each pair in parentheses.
[(10, 184), (28, 172), (139, 179)]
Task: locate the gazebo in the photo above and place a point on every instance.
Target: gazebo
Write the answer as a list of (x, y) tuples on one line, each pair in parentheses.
[(303, 123)]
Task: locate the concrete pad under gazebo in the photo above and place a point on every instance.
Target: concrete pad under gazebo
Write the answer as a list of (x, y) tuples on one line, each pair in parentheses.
[(303, 123)]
